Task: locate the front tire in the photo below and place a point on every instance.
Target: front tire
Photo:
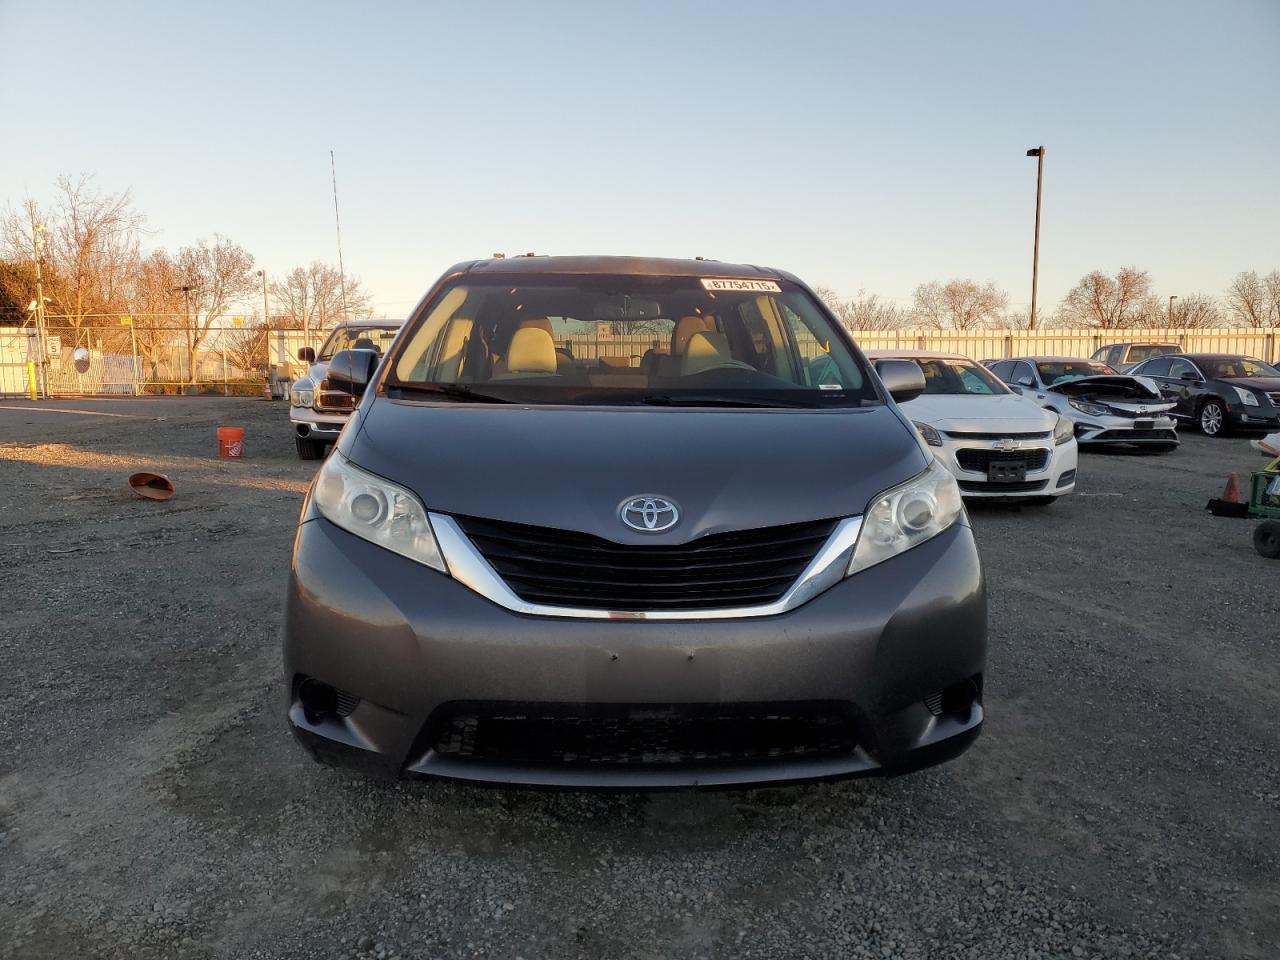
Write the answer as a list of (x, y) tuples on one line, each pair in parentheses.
[(309, 449), (1212, 418)]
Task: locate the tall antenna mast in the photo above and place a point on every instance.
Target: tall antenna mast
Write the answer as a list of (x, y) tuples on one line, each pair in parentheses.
[(337, 226)]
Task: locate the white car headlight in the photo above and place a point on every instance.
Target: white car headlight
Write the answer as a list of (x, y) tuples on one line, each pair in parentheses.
[(931, 436), (907, 515), (1247, 397), (1092, 409), (1063, 430), (300, 396), (376, 510)]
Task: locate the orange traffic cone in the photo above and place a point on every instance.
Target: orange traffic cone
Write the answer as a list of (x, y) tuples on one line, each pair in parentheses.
[(1230, 504), (1232, 492)]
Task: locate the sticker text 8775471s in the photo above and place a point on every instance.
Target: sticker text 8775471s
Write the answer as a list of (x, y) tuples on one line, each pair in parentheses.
[(739, 285)]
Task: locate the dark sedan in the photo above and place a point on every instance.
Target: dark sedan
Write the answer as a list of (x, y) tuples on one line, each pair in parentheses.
[(1219, 392)]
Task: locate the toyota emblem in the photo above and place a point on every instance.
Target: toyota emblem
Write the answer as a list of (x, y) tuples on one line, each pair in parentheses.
[(649, 514)]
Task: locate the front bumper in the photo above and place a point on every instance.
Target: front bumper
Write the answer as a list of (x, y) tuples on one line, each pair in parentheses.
[(1244, 417), (1057, 477), (318, 425), (1160, 431), (413, 648)]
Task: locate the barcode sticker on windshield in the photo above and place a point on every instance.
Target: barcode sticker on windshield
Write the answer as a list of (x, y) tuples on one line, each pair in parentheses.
[(739, 285)]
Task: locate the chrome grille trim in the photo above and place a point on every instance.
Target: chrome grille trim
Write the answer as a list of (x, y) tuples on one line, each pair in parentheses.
[(469, 567)]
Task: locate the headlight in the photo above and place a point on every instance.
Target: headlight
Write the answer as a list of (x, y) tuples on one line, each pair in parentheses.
[(1247, 397), (907, 515), (376, 510), (1092, 409), (1063, 430), (931, 436), (300, 396)]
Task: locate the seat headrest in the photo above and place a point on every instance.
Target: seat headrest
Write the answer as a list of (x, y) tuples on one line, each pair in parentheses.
[(685, 328), (532, 351), (537, 323), (706, 349), (364, 343)]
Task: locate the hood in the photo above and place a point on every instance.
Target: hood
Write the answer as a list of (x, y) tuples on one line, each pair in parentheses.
[(1267, 384), (572, 468), (1117, 388), (980, 413)]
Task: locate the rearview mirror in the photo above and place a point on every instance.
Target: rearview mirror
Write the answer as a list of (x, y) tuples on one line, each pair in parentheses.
[(351, 370), (902, 378), (307, 354)]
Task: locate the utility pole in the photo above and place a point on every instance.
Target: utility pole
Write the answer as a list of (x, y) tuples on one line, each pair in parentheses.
[(1171, 299), (41, 328), (191, 359), (1038, 153), (337, 225), (266, 322)]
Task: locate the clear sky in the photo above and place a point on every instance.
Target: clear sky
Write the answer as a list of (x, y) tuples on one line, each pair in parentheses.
[(861, 145)]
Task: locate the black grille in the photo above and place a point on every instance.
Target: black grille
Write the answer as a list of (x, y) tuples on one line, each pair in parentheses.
[(971, 459), (643, 735), (1125, 436), (982, 486), (1274, 398), (565, 568), (966, 435)]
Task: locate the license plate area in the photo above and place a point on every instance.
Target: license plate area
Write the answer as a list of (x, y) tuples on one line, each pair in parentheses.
[(1144, 424), (1007, 471)]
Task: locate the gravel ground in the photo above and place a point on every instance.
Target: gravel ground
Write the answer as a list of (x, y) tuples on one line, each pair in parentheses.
[(1123, 802)]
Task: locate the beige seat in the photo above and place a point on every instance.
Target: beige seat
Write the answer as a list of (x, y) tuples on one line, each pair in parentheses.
[(563, 357), (706, 350), (532, 354), (671, 365)]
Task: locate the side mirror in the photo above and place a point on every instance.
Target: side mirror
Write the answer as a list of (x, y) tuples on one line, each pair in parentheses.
[(80, 359), (1025, 382), (307, 354), (902, 378), (351, 370), (1188, 375)]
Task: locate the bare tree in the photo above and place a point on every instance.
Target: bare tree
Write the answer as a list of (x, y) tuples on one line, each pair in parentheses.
[(247, 346), (312, 296), (1107, 302), (88, 250), (1249, 300), (219, 274), (1196, 310), (866, 312), (1272, 282), (961, 304), (158, 305)]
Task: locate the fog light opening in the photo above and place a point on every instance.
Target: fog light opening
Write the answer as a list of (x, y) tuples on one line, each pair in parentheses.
[(959, 698), (319, 700)]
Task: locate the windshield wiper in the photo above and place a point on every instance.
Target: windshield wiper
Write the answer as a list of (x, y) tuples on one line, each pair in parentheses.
[(450, 391), (717, 400)]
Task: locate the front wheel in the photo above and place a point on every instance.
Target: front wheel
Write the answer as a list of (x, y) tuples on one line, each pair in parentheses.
[(1266, 539), (1213, 418), (309, 449)]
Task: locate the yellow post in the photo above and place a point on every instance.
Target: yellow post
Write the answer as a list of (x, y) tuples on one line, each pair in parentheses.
[(31, 380)]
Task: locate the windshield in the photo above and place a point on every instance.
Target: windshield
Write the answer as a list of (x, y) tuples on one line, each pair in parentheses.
[(628, 339), (1063, 371), (348, 338), (1227, 367), (945, 376)]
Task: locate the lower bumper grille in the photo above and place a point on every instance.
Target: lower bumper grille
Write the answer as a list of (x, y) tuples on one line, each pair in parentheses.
[(1131, 436), (981, 486), (648, 735)]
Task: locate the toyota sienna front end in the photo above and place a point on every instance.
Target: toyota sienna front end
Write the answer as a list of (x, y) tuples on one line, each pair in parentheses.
[(625, 522)]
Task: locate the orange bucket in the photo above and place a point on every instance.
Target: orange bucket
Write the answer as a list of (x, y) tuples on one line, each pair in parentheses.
[(230, 442)]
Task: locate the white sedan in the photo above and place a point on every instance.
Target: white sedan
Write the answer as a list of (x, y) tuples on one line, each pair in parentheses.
[(997, 444)]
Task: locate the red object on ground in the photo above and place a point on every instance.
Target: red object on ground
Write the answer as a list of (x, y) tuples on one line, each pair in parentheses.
[(230, 442), (1232, 492), (153, 486)]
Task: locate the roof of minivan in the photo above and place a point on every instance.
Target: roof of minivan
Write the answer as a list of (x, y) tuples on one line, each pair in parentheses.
[(912, 355), (627, 266)]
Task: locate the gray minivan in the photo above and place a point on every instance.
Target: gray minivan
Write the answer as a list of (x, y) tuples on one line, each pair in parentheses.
[(614, 521)]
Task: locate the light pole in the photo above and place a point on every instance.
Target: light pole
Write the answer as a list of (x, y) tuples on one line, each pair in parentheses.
[(41, 337), (186, 289), (1038, 153), (1171, 299)]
